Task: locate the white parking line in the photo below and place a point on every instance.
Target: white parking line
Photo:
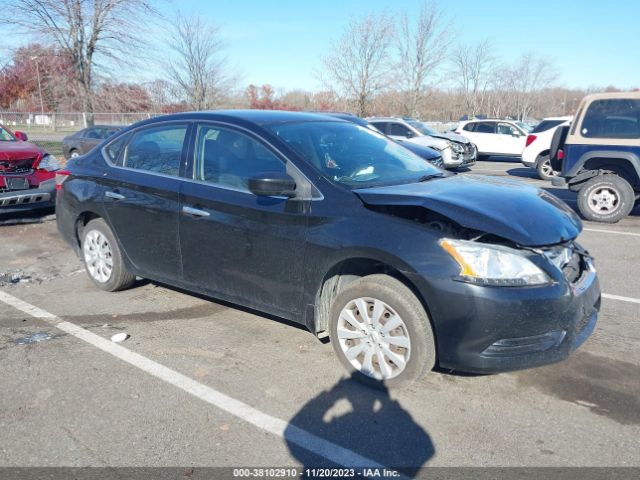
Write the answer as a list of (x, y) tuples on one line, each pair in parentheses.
[(620, 298), (614, 232), (318, 446)]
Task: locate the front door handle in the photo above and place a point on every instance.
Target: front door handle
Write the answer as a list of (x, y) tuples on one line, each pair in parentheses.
[(196, 212), (114, 195)]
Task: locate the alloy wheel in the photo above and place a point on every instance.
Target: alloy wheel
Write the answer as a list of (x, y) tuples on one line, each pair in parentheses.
[(547, 170), (98, 256), (374, 338), (604, 200)]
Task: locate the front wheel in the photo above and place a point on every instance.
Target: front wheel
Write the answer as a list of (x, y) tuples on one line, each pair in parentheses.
[(381, 332), (103, 259), (545, 171), (606, 198)]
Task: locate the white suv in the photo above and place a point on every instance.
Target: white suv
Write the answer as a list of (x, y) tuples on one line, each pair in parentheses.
[(538, 144), (456, 150), (504, 138)]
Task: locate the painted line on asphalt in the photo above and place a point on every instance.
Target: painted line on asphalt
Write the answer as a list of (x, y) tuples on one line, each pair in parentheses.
[(614, 232), (621, 298), (304, 439)]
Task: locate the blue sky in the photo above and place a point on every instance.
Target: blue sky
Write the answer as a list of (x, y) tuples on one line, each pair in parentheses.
[(593, 43)]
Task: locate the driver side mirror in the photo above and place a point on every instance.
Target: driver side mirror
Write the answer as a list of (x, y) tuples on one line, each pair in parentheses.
[(21, 136), (515, 134), (272, 184)]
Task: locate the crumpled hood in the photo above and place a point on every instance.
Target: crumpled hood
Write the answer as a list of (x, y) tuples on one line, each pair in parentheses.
[(14, 151), (454, 137), (429, 141), (509, 209)]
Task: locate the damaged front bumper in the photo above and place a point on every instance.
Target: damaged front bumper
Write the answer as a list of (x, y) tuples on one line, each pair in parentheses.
[(483, 329), (16, 201)]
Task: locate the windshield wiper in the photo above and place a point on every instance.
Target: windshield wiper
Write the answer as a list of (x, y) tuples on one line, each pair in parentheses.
[(424, 178)]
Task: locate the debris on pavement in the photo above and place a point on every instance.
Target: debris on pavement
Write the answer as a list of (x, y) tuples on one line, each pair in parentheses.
[(119, 337), (34, 338)]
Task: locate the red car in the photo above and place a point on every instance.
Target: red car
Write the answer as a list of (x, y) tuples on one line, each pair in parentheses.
[(27, 174)]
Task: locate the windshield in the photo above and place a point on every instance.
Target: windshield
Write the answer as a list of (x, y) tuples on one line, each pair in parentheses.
[(422, 128), (354, 156), (524, 126), (5, 136)]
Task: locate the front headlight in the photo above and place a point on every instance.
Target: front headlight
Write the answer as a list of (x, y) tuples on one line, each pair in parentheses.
[(456, 147), (49, 163), (486, 264)]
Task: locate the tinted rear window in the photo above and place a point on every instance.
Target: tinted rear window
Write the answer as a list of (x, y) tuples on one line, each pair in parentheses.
[(612, 118), (545, 125)]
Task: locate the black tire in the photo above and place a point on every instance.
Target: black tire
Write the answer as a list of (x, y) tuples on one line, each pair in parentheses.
[(623, 194), (120, 278), (543, 165), (422, 353)]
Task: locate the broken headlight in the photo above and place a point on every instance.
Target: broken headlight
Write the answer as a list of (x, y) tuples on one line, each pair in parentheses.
[(49, 163), (496, 265)]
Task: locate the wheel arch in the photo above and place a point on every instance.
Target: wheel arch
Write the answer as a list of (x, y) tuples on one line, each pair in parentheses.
[(345, 271), (624, 164), (82, 220)]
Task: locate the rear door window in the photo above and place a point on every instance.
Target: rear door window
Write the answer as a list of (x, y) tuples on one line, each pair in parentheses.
[(612, 118), (485, 127), (156, 149), (382, 126), (399, 130)]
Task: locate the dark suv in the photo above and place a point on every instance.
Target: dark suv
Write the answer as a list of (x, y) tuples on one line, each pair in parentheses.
[(599, 155), (334, 226)]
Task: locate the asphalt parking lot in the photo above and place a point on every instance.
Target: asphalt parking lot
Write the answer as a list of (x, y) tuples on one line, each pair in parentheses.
[(200, 383)]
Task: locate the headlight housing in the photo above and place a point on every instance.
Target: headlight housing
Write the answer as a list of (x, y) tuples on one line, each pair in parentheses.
[(456, 147), (49, 163), (493, 265)]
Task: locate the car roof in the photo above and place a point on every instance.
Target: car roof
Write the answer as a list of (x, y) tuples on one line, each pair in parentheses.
[(568, 117), (257, 117), (635, 95)]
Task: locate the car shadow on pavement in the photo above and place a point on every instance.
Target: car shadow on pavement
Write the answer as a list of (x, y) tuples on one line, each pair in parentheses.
[(26, 217), (366, 422), (523, 172)]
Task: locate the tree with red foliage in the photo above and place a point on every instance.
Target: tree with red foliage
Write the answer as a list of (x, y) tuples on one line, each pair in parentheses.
[(263, 98)]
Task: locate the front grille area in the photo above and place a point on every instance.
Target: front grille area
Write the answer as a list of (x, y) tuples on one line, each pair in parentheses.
[(17, 166), (570, 259)]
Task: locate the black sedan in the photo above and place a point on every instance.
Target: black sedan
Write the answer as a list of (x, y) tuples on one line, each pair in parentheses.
[(84, 140), (331, 225)]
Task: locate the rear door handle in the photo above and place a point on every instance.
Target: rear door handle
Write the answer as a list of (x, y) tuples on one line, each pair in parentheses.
[(196, 212), (114, 195)]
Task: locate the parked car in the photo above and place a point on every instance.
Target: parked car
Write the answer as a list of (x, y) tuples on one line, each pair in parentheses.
[(456, 151), (427, 153), (538, 145), (599, 155), (84, 140), (334, 226), (503, 138), (27, 174)]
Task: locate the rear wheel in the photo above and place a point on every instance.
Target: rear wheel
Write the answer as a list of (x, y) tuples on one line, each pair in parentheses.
[(545, 172), (103, 259), (381, 333), (606, 198)]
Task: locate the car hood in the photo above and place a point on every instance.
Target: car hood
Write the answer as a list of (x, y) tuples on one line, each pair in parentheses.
[(506, 208), (454, 137), (16, 151), (429, 141)]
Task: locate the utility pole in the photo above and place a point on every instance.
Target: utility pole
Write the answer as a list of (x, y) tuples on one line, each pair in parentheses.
[(39, 84)]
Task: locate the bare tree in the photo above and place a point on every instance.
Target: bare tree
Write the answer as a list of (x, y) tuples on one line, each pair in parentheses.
[(526, 82), (84, 30), (422, 47), (197, 67), (359, 65), (473, 69)]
